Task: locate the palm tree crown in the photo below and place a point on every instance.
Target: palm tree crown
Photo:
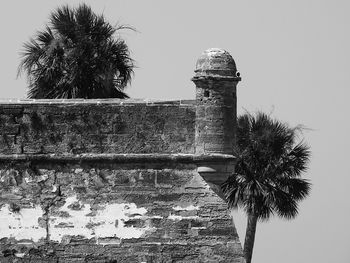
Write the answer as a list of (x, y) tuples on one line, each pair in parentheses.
[(77, 56), (267, 174)]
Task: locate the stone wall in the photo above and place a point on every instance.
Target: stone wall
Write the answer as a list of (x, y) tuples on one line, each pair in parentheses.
[(112, 212), (106, 181), (96, 126)]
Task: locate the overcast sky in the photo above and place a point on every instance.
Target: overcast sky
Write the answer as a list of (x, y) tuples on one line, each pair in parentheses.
[(294, 61)]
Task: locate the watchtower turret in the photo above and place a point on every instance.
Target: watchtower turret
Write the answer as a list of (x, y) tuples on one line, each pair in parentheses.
[(216, 78)]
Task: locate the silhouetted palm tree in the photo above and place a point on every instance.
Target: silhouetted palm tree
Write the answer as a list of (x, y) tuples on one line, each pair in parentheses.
[(267, 174), (77, 56)]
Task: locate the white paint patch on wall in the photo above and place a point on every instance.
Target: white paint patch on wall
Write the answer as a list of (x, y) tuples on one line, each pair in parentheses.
[(179, 218), (147, 217), (21, 225), (187, 208), (107, 222)]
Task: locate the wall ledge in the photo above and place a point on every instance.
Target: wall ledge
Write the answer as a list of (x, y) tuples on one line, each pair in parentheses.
[(121, 102), (120, 158)]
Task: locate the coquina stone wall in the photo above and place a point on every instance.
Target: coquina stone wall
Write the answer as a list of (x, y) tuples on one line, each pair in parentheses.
[(113, 211), (118, 180), (96, 126)]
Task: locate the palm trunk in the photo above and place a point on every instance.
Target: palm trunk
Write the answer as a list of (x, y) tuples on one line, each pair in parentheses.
[(250, 237)]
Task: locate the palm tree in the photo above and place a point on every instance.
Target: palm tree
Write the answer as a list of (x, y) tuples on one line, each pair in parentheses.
[(267, 179), (77, 56)]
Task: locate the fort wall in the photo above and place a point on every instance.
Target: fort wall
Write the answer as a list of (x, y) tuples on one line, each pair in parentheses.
[(120, 180), (96, 126)]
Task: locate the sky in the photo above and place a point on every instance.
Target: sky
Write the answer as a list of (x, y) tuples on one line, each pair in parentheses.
[(294, 60)]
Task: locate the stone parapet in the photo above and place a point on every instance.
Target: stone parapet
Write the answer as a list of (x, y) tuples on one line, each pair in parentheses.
[(96, 126)]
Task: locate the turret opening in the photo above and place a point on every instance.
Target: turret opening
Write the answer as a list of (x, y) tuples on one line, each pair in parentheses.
[(206, 93)]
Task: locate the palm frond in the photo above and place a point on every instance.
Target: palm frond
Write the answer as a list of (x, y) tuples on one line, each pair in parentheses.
[(63, 22), (296, 188), (84, 18), (32, 55), (45, 37), (285, 205), (294, 162)]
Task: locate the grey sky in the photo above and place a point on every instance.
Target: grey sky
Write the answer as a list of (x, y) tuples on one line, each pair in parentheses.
[(294, 61)]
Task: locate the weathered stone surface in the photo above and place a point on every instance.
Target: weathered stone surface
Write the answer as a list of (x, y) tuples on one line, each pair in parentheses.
[(100, 212), (68, 196), (96, 126), (216, 80), (216, 62)]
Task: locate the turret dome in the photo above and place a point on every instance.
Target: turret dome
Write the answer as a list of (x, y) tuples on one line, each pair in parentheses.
[(216, 62)]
